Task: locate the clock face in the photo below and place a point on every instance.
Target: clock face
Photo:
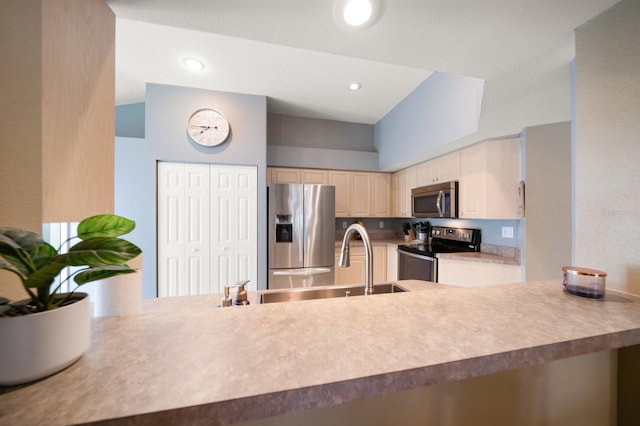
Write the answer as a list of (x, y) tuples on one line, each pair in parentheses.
[(208, 127)]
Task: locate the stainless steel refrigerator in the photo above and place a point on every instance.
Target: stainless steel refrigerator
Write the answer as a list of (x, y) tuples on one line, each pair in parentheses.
[(301, 235)]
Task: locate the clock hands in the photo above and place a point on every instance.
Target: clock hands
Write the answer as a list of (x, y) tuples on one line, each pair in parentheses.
[(205, 128)]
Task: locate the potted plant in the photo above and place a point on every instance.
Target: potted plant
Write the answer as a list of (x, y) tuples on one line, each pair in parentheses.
[(50, 330)]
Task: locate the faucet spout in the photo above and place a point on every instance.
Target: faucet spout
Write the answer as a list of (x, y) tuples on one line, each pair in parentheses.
[(343, 262)]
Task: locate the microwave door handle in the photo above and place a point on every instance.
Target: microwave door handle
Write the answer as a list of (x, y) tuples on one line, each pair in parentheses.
[(439, 203)]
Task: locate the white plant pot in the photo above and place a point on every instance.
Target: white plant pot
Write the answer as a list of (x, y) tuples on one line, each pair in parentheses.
[(37, 345)]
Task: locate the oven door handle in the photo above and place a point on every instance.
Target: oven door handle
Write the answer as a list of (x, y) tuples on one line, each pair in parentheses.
[(417, 256)]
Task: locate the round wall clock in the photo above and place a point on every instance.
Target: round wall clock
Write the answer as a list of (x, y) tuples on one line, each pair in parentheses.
[(208, 127)]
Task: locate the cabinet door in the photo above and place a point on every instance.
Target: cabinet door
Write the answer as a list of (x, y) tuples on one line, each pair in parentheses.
[(396, 185), (425, 173), (409, 184), (489, 180), (342, 181), (318, 177), (354, 274), (471, 185), (379, 264), (381, 192), (447, 168), (472, 274), (360, 196), (285, 175), (392, 264)]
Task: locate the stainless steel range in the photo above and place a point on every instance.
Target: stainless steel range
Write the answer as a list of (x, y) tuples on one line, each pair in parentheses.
[(420, 262)]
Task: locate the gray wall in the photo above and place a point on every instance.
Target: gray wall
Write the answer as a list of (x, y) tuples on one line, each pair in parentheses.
[(315, 133), (607, 145), (167, 111), (325, 144), (548, 217)]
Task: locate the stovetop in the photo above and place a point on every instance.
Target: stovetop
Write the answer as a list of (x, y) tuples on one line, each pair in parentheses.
[(447, 240)]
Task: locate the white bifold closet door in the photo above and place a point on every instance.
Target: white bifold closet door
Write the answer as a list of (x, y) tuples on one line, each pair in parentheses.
[(207, 220)]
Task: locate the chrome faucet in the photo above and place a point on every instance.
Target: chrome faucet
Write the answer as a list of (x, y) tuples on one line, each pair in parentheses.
[(368, 254)]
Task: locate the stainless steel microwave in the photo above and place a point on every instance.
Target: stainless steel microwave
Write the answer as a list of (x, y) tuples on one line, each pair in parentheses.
[(439, 200)]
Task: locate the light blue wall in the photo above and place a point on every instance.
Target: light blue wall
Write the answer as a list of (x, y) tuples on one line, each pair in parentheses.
[(132, 170), (130, 120), (167, 111), (440, 110)]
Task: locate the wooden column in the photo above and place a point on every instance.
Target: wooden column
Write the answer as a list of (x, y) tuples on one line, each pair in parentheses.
[(56, 112)]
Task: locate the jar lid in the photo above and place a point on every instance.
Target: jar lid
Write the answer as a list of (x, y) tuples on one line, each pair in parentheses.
[(577, 270)]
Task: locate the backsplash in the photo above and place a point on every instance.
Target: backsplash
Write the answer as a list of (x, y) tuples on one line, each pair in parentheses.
[(392, 228)]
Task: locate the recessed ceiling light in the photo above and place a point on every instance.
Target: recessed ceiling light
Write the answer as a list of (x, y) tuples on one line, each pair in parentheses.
[(193, 64), (355, 14), (355, 86)]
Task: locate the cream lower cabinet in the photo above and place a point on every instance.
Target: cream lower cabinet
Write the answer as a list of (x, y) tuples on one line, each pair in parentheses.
[(472, 274), (392, 263), (355, 274)]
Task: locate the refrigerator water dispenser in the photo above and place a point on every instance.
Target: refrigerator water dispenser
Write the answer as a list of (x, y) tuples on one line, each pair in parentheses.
[(284, 228)]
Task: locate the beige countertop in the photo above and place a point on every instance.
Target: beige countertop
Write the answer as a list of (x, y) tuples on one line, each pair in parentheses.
[(183, 360), (489, 253), (378, 242), (480, 257)]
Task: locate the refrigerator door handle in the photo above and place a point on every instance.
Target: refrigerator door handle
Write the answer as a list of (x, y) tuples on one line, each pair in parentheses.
[(302, 271)]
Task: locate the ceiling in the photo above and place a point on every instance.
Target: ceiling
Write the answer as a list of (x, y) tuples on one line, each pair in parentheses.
[(293, 52)]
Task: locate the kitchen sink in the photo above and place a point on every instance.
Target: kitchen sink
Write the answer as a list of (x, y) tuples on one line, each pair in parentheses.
[(309, 293)]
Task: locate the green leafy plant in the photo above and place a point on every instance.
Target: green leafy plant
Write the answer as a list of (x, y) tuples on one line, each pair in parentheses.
[(99, 254)]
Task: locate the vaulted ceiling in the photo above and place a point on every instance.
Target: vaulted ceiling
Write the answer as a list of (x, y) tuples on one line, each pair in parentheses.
[(293, 52)]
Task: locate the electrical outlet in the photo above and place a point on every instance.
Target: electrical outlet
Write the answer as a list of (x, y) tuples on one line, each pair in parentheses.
[(507, 232), (344, 225), (381, 224)]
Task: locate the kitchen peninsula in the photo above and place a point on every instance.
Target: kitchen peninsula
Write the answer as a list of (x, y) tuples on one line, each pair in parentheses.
[(183, 360)]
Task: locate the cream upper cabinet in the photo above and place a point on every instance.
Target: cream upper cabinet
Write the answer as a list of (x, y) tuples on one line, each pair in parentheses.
[(314, 176), (342, 181), (284, 175), (293, 175), (358, 194), (402, 183), (381, 194), (395, 185), (447, 167), (489, 180), (441, 169), (361, 195)]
